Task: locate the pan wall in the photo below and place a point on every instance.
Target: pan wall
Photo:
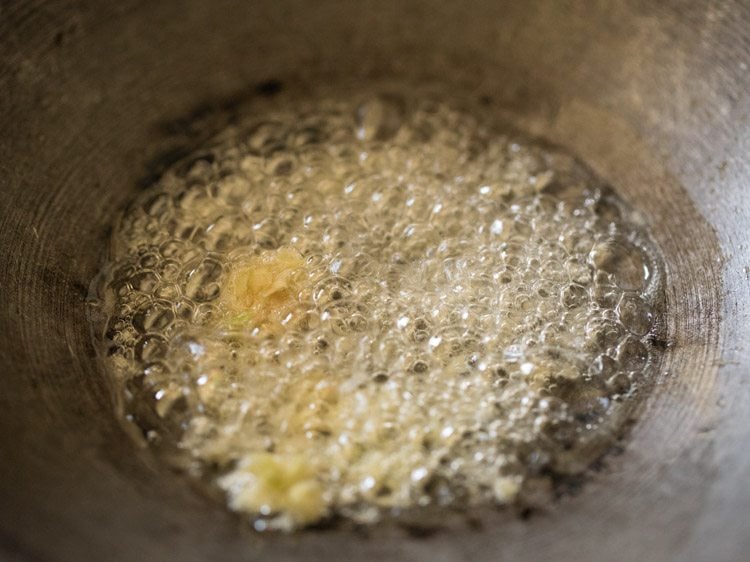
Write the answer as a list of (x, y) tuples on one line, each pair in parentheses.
[(95, 97)]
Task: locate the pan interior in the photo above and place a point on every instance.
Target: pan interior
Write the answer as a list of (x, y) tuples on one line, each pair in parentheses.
[(100, 100), (373, 301)]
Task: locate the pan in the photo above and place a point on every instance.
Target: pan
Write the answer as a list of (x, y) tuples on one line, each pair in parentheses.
[(99, 98)]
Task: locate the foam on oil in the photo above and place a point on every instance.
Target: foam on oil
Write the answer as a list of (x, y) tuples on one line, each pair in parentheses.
[(360, 304)]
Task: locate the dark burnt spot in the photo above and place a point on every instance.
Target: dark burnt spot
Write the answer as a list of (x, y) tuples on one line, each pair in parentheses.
[(80, 288), (189, 131), (421, 530), (269, 88), (526, 513), (106, 232), (659, 343), (65, 34), (160, 163), (208, 117), (205, 119)]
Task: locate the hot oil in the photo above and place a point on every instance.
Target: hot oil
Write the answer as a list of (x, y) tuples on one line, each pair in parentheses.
[(358, 304)]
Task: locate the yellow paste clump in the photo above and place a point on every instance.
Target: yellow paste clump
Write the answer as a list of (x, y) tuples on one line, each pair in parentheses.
[(263, 291), (271, 483)]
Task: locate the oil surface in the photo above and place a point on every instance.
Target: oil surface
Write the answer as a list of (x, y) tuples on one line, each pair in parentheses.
[(359, 304)]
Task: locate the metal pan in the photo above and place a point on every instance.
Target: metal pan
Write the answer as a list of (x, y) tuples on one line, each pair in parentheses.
[(97, 97)]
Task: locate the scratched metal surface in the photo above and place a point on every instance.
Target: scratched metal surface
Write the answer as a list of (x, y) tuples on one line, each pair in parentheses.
[(97, 97)]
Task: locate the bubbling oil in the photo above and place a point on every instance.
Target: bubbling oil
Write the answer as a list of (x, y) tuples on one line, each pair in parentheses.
[(361, 304)]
